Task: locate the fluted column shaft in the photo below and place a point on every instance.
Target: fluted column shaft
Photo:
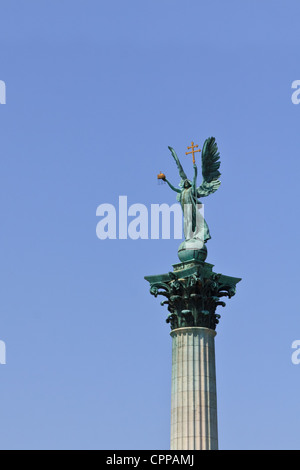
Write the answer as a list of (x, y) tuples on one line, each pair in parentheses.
[(194, 395)]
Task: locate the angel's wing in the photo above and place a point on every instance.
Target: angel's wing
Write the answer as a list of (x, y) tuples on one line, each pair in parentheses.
[(210, 168), (181, 171)]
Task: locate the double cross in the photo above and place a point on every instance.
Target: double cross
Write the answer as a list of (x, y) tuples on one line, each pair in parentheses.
[(193, 147)]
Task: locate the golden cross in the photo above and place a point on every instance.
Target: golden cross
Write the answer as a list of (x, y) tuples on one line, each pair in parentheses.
[(193, 146)]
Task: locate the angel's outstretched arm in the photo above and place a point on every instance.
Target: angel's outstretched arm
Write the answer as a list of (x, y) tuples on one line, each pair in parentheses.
[(195, 178), (172, 187)]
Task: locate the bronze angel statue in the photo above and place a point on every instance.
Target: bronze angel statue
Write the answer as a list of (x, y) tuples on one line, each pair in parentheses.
[(188, 194)]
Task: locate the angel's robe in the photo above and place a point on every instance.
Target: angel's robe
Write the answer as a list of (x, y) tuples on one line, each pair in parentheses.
[(194, 224)]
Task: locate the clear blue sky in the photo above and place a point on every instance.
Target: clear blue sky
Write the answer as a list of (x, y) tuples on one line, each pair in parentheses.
[(96, 91)]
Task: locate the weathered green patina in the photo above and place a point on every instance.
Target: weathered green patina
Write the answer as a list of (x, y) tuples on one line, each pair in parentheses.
[(192, 290), (192, 293), (195, 227)]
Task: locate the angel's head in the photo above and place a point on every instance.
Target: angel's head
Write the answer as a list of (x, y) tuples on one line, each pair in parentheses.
[(187, 184)]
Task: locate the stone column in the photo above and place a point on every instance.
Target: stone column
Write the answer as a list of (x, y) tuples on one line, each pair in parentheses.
[(192, 292), (194, 396)]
